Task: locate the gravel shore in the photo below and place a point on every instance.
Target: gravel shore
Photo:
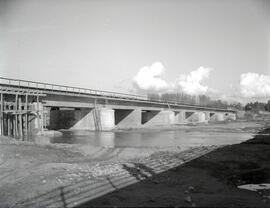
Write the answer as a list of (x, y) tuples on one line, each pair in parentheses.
[(64, 175)]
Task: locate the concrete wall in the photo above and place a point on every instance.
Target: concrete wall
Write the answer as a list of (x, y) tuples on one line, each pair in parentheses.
[(207, 116), (240, 114), (218, 117), (165, 117), (107, 121), (188, 115), (180, 117), (201, 117), (230, 116), (128, 118), (83, 119), (36, 122), (197, 117)]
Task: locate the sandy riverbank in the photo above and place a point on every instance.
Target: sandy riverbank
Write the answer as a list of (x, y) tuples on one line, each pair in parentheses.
[(208, 181), (29, 170), (74, 174)]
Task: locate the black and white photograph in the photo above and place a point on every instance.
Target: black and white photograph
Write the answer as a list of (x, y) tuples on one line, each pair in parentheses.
[(134, 103)]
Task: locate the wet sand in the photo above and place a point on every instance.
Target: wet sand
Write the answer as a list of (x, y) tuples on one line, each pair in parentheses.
[(32, 173)]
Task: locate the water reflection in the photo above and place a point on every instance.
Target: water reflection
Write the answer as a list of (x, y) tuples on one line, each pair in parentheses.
[(106, 139), (162, 138)]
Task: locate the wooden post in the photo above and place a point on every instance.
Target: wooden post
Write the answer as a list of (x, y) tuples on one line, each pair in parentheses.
[(26, 115), (8, 122), (20, 118), (16, 117), (38, 120), (2, 114), (45, 112), (13, 126)]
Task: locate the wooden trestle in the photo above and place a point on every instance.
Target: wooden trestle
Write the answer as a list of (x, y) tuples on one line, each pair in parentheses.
[(17, 112)]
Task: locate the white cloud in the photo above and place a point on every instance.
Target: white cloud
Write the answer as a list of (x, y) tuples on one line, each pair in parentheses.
[(149, 78), (254, 85), (192, 83)]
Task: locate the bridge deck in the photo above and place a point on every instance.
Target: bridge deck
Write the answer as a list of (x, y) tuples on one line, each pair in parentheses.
[(14, 86)]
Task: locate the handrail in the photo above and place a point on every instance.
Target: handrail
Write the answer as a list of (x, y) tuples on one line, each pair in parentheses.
[(60, 87), (81, 90)]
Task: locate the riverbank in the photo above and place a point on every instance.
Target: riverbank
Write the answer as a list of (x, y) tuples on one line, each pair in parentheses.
[(74, 174), (209, 181), (29, 171)]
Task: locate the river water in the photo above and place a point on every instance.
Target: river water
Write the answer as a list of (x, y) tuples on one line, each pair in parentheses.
[(176, 136)]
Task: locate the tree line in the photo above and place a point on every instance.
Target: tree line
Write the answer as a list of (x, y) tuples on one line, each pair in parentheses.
[(257, 106), (202, 100)]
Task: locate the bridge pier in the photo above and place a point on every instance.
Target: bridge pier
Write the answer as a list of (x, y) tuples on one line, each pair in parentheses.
[(37, 120), (128, 118), (107, 121), (230, 116), (207, 116), (189, 116), (163, 117), (82, 119), (217, 116), (196, 117), (180, 117)]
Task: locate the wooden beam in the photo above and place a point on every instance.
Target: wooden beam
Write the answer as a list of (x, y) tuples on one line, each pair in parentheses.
[(2, 114), (38, 120), (21, 93), (8, 124), (16, 116), (26, 115), (22, 112), (20, 118)]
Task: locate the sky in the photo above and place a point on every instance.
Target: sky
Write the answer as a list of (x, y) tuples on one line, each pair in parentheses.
[(209, 46)]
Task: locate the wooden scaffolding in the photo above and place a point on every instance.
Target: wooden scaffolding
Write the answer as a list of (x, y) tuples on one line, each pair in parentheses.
[(18, 109)]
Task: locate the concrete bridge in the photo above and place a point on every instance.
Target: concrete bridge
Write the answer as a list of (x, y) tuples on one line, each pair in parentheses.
[(27, 107)]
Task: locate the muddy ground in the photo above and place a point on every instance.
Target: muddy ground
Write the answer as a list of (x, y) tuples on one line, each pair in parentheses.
[(35, 175)]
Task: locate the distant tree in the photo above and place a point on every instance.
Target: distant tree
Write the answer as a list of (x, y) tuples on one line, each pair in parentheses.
[(267, 106), (248, 107), (256, 106), (184, 98), (236, 106)]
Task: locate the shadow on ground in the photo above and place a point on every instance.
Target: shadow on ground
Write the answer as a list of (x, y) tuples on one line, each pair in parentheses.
[(210, 180), (133, 172)]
